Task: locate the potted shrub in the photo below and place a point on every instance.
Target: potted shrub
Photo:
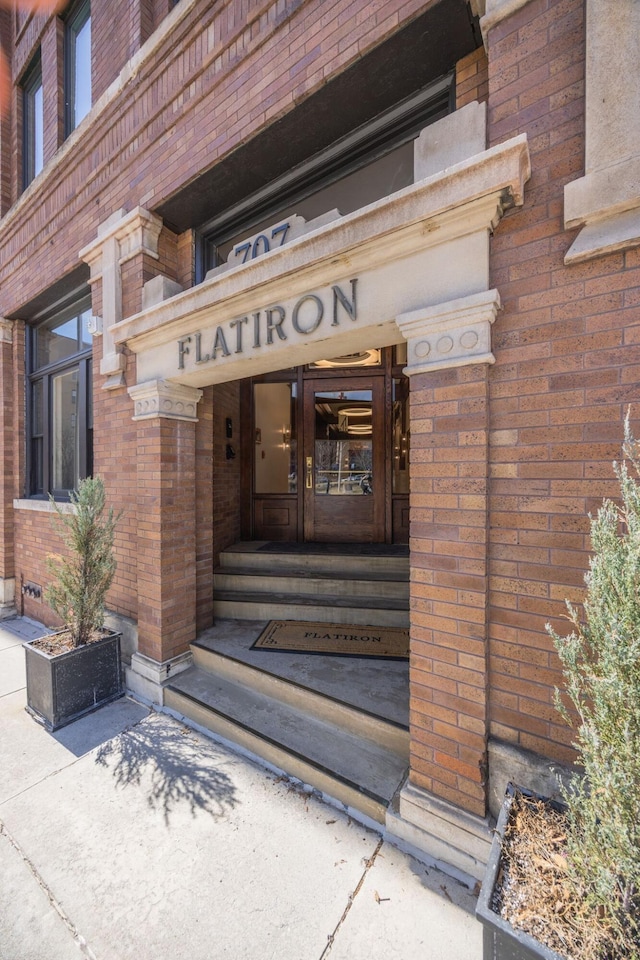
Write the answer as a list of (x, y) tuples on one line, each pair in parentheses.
[(77, 669), (584, 894)]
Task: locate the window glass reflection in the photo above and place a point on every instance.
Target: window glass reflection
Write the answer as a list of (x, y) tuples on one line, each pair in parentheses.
[(56, 342), (343, 443), (64, 424)]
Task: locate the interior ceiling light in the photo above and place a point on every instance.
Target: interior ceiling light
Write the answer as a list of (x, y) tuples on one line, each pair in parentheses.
[(359, 428), (365, 358), (355, 412)]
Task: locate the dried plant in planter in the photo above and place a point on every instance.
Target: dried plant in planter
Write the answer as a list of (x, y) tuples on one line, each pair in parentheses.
[(601, 663), (83, 577)]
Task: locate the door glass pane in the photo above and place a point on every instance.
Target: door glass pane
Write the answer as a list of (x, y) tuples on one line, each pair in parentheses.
[(275, 446), (343, 443), (400, 422), (64, 422)]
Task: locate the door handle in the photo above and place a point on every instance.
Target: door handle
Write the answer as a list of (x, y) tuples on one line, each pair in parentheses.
[(309, 475)]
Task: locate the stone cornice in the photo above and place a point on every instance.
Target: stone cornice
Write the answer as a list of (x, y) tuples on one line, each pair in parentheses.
[(453, 334), (461, 200), (158, 398)]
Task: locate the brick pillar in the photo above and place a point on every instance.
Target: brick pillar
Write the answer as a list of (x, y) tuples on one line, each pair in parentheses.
[(7, 478), (449, 349), (166, 540), (448, 504)]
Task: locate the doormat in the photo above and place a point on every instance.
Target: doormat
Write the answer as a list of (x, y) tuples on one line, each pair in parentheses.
[(336, 639)]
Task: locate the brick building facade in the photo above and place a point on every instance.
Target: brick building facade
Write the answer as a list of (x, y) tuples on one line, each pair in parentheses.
[(491, 238)]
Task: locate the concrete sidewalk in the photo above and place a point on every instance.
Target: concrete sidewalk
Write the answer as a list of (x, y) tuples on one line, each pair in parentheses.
[(128, 835)]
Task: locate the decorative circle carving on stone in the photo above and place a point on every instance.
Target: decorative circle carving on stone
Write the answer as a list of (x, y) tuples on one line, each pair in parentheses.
[(167, 405), (469, 339), (422, 348), (445, 344)]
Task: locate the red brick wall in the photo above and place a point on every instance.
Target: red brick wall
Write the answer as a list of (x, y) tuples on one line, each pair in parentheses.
[(567, 347), (36, 538), (166, 537), (190, 107), (472, 82)]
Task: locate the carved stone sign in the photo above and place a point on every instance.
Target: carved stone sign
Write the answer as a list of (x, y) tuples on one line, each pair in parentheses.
[(277, 322)]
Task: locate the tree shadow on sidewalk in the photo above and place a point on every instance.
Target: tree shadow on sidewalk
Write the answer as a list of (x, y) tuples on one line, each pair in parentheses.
[(166, 760)]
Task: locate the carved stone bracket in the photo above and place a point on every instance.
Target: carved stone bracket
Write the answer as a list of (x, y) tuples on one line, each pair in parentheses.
[(160, 398), (119, 238), (452, 334)]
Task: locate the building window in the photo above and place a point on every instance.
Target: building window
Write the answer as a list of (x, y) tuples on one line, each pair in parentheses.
[(33, 122), (77, 65), (59, 408)]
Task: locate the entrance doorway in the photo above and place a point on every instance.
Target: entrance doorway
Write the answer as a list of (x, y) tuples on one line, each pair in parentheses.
[(329, 459)]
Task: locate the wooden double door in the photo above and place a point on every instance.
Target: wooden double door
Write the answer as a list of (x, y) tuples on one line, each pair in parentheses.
[(323, 460)]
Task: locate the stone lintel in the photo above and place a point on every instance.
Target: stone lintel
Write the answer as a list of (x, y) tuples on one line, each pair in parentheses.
[(620, 232), (605, 202), (160, 398), (452, 334)]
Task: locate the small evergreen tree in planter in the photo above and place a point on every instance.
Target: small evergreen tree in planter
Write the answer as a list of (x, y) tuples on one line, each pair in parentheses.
[(598, 862), (77, 669)]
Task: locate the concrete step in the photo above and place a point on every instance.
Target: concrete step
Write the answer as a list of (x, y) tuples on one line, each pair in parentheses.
[(377, 611), (310, 582), (333, 561), (384, 732), (352, 769)]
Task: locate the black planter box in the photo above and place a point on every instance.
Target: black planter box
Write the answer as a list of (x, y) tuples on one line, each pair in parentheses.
[(63, 688), (501, 941)]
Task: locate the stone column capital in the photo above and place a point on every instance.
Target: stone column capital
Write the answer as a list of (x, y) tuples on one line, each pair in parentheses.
[(162, 398), (6, 331), (123, 236), (452, 334)]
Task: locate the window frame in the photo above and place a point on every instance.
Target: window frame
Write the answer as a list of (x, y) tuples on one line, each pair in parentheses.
[(40, 487), (31, 84), (75, 21), (369, 142)]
